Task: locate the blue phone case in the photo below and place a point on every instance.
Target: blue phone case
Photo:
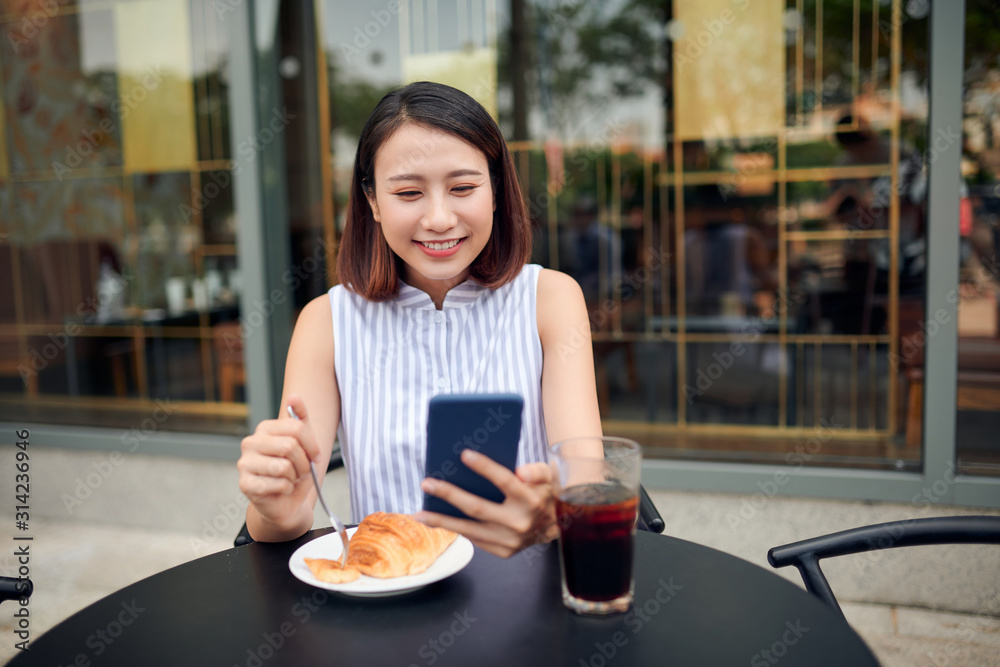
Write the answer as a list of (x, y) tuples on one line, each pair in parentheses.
[(487, 423)]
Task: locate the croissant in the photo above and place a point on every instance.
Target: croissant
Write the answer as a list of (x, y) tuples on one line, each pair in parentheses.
[(386, 545)]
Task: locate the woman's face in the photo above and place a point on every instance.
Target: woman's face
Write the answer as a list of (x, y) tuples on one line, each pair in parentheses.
[(434, 201)]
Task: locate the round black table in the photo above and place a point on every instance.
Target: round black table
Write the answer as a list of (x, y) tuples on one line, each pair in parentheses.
[(693, 606)]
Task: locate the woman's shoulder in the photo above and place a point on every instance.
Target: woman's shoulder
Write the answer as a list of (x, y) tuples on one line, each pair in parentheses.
[(554, 286), (559, 300), (316, 317)]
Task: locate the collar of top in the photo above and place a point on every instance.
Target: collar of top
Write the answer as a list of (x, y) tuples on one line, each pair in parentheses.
[(459, 296)]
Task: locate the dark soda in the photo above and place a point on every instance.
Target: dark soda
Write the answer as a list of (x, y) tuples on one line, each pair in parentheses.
[(597, 531)]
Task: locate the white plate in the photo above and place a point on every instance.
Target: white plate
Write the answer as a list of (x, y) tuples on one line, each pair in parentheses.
[(455, 557)]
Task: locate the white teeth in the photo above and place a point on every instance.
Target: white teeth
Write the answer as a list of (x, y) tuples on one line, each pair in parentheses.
[(440, 246)]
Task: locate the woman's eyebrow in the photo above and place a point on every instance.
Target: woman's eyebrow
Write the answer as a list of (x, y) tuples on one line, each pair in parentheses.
[(451, 174)]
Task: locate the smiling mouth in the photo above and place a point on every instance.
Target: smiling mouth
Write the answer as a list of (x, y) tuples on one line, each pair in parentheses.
[(444, 245)]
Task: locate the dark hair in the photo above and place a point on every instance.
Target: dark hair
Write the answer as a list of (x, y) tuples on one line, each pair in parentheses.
[(365, 263)]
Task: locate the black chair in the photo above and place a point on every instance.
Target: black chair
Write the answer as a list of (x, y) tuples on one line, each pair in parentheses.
[(14, 588), (649, 519), (805, 555)]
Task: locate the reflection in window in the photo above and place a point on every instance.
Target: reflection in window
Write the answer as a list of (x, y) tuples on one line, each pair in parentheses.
[(979, 229)]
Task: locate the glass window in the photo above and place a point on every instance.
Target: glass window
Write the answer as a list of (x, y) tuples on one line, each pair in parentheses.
[(117, 226), (738, 187), (979, 228)]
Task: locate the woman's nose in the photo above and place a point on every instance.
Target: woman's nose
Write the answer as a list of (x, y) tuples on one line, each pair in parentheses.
[(439, 216)]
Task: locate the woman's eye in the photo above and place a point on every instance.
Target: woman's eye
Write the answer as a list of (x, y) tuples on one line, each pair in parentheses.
[(463, 188), (408, 193)]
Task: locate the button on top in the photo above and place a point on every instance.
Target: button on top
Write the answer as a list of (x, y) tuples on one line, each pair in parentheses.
[(438, 317)]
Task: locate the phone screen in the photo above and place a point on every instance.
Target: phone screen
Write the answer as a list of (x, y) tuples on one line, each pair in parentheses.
[(487, 423)]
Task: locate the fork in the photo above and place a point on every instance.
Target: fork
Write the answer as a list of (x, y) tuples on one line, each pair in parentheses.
[(337, 523)]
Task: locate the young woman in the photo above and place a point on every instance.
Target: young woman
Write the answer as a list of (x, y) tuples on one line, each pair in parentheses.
[(434, 297)]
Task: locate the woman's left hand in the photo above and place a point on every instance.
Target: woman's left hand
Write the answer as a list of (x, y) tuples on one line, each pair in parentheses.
[(525, 517)]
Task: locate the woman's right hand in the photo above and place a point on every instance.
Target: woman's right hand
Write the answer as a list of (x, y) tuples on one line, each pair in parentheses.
[(274, 467)]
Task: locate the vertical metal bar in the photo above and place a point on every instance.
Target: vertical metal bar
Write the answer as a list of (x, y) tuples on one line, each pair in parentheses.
[(325, 151), (854, 384), (875, 33), (800, 381), (947, 34), (602, 219), (897, 41), (681, 276), (647, 237), (856, 52), (817, 105), (138, 331), (553, 220), (872, 368), (782, 308), (799, 62), (617, 255), (212, 32), (664, 240), (248, 192), (199, 63), (818, 388)]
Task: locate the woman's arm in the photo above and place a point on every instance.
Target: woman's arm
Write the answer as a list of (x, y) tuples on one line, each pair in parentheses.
[(274, 466), (569, 388)]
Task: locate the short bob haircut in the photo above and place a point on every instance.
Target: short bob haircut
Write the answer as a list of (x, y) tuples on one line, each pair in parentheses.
[(365, 263)]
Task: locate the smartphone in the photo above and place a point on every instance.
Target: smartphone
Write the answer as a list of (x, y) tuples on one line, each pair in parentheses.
[(487, 423)]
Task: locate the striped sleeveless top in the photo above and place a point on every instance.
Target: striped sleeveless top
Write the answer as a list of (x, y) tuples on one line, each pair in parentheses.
[(392, 357)]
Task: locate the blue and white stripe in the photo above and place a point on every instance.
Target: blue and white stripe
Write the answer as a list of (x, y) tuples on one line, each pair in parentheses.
[(392, 357)]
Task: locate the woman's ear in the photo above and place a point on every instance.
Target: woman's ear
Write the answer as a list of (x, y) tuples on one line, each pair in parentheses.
[(374, 205)]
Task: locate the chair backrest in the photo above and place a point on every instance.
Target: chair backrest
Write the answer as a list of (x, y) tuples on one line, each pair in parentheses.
[(805, 555)]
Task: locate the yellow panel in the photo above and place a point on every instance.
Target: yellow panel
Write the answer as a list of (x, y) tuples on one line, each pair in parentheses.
[(473, 71), (729, 69), (154, 85)]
